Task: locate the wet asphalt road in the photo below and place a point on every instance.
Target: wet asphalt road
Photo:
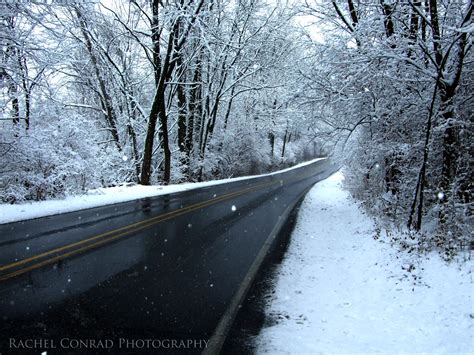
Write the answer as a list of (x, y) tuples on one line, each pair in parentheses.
[(152, 275)]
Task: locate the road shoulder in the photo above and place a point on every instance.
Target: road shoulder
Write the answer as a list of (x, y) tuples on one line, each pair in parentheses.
[(339, 290)]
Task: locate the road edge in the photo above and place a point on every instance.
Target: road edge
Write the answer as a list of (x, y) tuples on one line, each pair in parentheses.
[(216, 341), (183, 188)]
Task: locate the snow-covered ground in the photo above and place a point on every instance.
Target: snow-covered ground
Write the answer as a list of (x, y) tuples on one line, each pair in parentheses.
[(107, 196), (339, 290)]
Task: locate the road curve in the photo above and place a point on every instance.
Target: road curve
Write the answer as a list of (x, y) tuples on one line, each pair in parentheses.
[(161, 274)]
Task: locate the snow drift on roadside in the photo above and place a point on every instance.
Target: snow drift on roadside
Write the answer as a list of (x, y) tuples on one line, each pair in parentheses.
[(340, 291), (107, 196)]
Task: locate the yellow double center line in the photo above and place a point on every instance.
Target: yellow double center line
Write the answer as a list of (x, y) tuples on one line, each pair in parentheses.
[(107, 237)]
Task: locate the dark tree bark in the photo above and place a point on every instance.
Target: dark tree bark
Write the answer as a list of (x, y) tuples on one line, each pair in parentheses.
[(182, 127), (158, 110), (436, 32), (26, 88), (229, 108), (451, 128), (351, 27), (450, 141), (271, 138), (181, 95), (388, 21), (414, 20), (163, 72), (13, 93), (353, 12), (420, 184), (195, 107), (342, 17), (285, 137)]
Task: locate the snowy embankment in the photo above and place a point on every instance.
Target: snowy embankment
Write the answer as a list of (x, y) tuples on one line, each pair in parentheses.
[(108, 196), (340, 291)]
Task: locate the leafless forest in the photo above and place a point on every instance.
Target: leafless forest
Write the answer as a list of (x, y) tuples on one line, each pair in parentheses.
[(157, 92)]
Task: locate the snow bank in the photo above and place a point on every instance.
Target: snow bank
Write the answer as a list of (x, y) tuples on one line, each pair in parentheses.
[(340, 291), (107, 196)]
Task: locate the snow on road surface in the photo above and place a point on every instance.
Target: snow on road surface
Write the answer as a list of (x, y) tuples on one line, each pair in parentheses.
[(108, 196), (339, 290)]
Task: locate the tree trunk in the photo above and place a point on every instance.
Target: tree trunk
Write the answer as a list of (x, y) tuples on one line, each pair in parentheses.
[(165, 71), (388, 22), (13, 93), (436, 32), (229, 107), (271, 138), (133, 140), (195, 107), (420, 184), (182, 128), (105, 98), (150, 137), (26, 89), (284, 142), (414, 21), (450, 152), (181, 96), (450, 134)]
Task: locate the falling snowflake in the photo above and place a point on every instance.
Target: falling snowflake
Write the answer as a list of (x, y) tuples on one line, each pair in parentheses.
[(124, 158), (234, 208), (440, 195)]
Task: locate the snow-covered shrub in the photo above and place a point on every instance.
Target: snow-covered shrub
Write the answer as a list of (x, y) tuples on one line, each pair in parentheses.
[(239, 152), (53, 159)]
